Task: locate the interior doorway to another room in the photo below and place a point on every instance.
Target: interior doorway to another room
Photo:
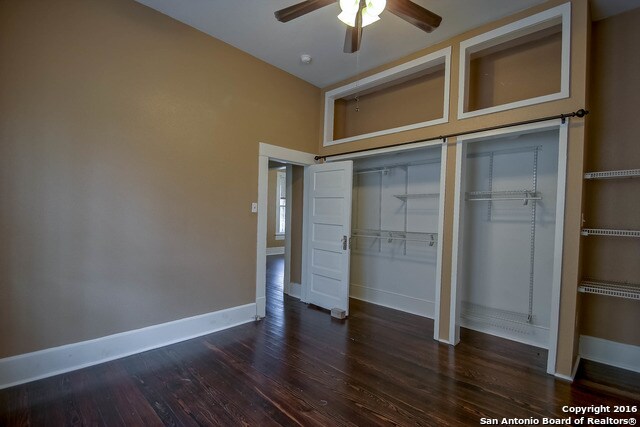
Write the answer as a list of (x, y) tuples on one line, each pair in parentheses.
[(277, 211), (280, 212), (284, 230)]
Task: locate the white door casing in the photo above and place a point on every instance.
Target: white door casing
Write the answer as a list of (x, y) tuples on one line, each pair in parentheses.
[(328, 189)]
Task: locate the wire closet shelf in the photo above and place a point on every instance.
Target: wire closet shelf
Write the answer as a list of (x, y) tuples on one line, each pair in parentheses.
[(627, 173), (609, 232), (612, 289)]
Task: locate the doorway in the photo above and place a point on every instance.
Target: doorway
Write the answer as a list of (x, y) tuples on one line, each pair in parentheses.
[(293, 161)]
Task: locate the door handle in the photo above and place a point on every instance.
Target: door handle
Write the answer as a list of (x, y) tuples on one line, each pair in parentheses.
[(344, 243)]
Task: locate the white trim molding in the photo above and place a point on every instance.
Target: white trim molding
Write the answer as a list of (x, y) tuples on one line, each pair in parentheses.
[(58, 360), (287, 238), (394, 300), (438, 58), (529, 25), (612, 353), (277, 250), (440, 244), (556, 285), (286, 155)]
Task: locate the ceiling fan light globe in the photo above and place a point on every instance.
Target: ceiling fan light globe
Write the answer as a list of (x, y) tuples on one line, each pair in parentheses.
[(369, 13), (369, 19), (349, 6), (375, 7), (350, 19)]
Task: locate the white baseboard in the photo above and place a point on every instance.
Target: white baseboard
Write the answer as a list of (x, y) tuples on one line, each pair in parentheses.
[(33, 366), (536, 336), (393, 300), (295, 290), (261, 306), (612, 353), (278, 250)]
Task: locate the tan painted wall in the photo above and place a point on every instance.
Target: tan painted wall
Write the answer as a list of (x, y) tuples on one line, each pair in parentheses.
[(128, 163), (297, 195), (577, 100), (272, 210), (613, 144), (524, 71), (414, 101)]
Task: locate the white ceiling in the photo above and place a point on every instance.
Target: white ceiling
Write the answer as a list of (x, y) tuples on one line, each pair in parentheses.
[(251, 26)]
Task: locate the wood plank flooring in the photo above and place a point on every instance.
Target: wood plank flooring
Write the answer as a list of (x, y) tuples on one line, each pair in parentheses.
[(300, 367)]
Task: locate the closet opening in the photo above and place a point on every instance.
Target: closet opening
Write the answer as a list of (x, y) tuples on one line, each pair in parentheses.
[(508, 220), (396, 224)]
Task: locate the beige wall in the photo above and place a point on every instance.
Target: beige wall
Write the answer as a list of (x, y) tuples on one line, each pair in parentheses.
[(414, 101), (297, 200), (579, 63), (527, 70), (272, 210), (613, 144), (128, 163)]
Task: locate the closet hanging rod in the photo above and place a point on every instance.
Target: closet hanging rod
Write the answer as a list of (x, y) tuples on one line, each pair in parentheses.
[(405, 239), (492, 196), (491, 199), (580, 113), (374, 231), (416, 196)]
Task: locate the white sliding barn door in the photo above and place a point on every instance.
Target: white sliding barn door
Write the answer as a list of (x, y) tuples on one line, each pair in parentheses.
[(328, 229)]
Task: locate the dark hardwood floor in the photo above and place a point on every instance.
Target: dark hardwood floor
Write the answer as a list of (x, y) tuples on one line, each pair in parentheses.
[(300, 367)]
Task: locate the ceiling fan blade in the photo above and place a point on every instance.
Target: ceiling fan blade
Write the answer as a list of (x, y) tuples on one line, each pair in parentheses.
[(297, 10), (414, 14), (354, 34)]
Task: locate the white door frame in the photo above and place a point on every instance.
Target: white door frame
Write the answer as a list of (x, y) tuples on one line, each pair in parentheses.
[(458, 213), (270, 152), (439, 247)]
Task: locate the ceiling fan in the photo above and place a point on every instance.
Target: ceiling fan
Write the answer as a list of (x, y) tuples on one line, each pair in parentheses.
[(360, 13)]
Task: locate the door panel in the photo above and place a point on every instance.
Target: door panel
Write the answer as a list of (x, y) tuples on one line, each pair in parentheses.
[(329, 228)]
